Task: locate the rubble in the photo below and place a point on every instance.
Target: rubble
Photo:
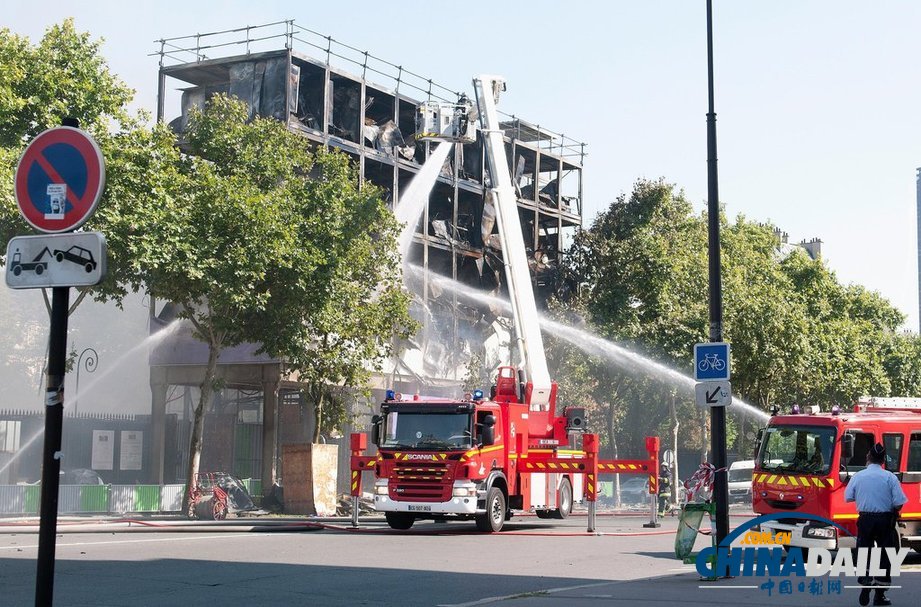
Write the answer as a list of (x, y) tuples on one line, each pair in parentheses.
[(344, 507)]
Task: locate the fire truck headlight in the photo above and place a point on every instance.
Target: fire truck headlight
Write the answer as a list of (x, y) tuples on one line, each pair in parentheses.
[(828, 533), (464, 490), (380, 488)]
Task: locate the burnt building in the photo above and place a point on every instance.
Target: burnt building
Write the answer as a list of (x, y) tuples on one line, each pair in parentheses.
[(350, 100)]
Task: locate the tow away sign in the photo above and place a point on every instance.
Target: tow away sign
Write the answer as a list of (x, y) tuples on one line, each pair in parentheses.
[(76, 259)]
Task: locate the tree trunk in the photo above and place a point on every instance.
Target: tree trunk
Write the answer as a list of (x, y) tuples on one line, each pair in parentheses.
[(198, 423), (617, 502), (704, 436), (320, 397), (672, 410), (609, 426)]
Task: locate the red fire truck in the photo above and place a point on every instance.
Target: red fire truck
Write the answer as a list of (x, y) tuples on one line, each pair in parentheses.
[(806, 458), (472, 458), (478, 458)]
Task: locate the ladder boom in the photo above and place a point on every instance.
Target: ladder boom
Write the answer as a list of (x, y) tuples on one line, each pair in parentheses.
[(517, 272)]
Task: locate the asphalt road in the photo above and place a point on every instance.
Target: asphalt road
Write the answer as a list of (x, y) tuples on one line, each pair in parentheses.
[(533, 563)]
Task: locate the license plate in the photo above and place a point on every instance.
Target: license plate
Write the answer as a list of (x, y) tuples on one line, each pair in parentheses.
[(414, 508)]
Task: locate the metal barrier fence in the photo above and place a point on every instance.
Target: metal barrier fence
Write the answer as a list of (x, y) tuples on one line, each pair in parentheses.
[(102, 499)]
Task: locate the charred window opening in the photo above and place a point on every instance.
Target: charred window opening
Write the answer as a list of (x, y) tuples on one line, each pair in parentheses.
[(381, 131), (570, 185), (308, 109), (414, 152), (381, 175), (548, 182), (471, 164), (441, 214), (345, 96), (525, 178)]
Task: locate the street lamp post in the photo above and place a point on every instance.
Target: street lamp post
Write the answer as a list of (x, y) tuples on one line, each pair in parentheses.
[(89, 359), (718, 413)]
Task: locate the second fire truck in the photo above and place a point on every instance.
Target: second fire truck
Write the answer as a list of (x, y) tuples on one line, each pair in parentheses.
[(807, 457)]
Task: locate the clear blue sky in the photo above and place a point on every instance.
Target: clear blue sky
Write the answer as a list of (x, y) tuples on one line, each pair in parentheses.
[(818, 102)]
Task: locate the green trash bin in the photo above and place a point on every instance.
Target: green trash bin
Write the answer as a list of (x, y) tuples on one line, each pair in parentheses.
[(689, 526)]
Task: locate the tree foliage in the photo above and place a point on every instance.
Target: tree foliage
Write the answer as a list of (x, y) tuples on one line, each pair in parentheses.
[(797, 334), (257, 238)]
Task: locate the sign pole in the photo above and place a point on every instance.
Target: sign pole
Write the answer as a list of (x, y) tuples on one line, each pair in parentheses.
[(51, 457), (717, 414)]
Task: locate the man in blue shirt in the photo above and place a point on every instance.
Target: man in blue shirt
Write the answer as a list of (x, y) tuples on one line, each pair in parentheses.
[(879, 498)]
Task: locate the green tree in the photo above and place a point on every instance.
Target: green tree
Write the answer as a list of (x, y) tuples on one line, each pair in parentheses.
[(902, 361), (63, 75), (797, 333), (255, 238), (642, 265), (766, 320)]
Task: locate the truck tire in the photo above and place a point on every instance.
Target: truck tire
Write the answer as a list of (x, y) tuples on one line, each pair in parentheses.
[(565, 501), (494, 517), (399, 520)]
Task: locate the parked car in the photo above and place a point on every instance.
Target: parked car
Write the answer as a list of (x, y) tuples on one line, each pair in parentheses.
[(740, 481), (634, 490), (80, 476)]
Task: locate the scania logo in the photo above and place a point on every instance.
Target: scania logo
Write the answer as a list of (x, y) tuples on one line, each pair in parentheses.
[(419, 456)]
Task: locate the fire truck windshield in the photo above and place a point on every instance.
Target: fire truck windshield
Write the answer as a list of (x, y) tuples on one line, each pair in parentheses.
[(427, 430), (797, 449)]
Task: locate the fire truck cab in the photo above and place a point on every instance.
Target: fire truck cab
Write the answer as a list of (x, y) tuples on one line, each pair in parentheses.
[(805, 459)]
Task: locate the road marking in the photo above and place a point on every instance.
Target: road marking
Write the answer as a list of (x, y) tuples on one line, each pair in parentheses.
[(150, 540), (542, 592), (730, 587)]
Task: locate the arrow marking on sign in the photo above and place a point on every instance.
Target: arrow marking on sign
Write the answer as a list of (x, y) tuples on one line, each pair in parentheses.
[(711, 400)]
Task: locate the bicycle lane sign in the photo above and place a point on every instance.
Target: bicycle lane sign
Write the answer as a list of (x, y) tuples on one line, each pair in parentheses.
[(711, 361)]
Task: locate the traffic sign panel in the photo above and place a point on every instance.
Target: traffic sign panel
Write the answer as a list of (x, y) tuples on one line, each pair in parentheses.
[(711, 361), (56, 260), (713, 394), (59, 179)]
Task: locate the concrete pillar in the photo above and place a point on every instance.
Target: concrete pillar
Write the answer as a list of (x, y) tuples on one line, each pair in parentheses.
[(158, 388), (271, 378)]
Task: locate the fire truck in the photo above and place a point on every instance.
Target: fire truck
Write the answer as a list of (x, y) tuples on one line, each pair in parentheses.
[(806, 458), (482, 457)]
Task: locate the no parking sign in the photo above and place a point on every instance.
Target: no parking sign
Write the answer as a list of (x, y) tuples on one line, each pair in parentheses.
[(59, 180)]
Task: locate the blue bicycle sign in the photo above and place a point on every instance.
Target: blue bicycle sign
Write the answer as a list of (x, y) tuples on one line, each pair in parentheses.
[(711, 361)]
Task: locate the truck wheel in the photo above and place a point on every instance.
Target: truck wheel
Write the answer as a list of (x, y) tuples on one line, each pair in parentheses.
[(399, 520), (494, 517), (544, 513), (565, 501), (17, 270), (39, 270)]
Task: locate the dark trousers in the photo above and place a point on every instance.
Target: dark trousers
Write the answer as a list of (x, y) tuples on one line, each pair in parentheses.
[(878, 528)]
